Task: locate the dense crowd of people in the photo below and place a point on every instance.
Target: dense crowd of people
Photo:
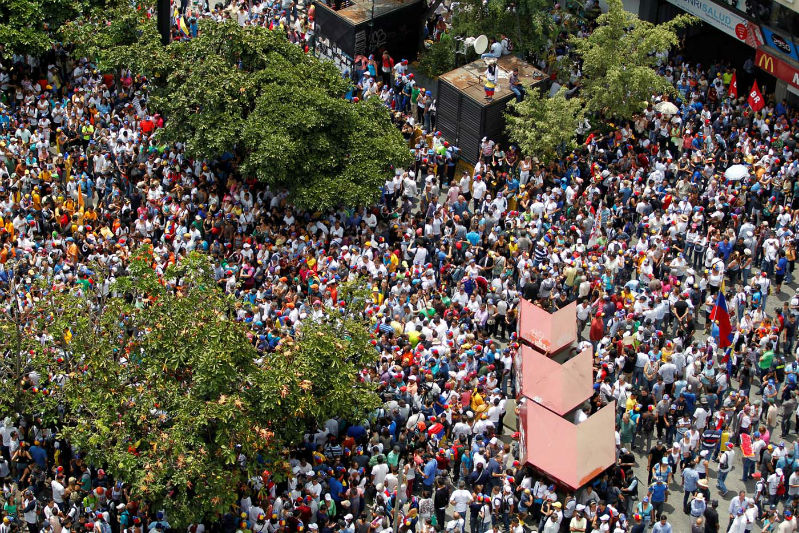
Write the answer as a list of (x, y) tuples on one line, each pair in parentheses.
[(639, 226)]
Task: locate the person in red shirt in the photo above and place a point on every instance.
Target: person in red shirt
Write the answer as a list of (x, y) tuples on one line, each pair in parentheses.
[(386, 68), (597, 330), (147, 125)]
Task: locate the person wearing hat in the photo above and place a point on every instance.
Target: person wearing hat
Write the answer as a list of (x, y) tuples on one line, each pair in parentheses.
[(579, 523), (658, 495), (29, 510), (698, 505), (645, 510), (552, 518), (725, 466), (788, 523)]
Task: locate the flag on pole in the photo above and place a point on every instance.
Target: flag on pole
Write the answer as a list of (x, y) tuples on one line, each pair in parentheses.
[(184, 28), (756, 99), (734, 85), (720, 314)]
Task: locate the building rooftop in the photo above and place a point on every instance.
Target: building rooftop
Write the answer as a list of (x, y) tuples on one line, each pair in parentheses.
[(470, 78), (359, 11)]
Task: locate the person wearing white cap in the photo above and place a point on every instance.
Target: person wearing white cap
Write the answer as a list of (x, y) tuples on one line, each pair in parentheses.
[(698, 505), (774, 481), (349, 526), (578, 522)]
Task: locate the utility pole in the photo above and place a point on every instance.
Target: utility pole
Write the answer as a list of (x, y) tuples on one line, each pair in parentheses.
[(400, 476), (164, 21), (371, 30)]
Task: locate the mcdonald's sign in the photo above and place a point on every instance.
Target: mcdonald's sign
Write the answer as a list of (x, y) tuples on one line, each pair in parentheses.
[(765, 62), (779, 68)]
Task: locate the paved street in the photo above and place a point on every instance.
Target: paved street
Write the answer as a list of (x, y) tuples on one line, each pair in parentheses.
[(682, 522)]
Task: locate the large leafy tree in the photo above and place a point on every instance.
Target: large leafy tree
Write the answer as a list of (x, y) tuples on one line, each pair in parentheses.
[(439, 58), (114, 36), (28, 26), (619, 57), (249, 92), (544, 126), (160, 383), (526, 22)]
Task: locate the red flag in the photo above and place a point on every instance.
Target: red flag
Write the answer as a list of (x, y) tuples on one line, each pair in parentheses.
[(756, 99), (719, 312), (734, 86)]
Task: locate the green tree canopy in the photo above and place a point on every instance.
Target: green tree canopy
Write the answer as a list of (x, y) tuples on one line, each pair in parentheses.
[(28, 26), (249, 92), (162, 385), (526, 22), (113, 37), (619, 57), (542, 126), (440, 58)]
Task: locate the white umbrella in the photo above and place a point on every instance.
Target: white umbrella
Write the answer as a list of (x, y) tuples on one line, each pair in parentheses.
[(667, 108), (736, 172)]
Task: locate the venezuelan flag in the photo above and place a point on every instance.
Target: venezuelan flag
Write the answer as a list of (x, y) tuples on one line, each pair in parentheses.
[(183, 27), (721, 316)]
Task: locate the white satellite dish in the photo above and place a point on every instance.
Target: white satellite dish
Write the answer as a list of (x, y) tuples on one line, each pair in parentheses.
[(481, 44)]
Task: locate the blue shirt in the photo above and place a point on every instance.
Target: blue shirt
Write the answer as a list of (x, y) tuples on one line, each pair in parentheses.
[(782, 264), (659, 528), (690, 479), (335, 489), (39, 455), (658, 491), (430, 470)]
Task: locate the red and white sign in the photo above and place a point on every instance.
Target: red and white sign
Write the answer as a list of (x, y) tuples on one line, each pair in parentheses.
[(756, 99), (734, 85), (746, 446), (779, 68), (723, 19)]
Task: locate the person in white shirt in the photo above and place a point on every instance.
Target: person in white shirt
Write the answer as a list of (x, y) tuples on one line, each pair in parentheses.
[(379, 471), (461, 498), (58, 489), (478, 190)]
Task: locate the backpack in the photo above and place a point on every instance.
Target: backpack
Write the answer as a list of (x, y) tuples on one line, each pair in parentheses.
[(724, 462), (789, 467), (498, 504), (457, 450)]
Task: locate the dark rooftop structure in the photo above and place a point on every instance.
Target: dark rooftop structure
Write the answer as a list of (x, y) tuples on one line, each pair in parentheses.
[(463, 113), (351, 31)]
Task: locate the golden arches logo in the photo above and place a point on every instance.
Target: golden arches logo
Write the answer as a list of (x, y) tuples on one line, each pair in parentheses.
[(766, 62)]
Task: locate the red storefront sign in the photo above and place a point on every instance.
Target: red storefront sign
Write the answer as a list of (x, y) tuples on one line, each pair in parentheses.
[(779, 68)]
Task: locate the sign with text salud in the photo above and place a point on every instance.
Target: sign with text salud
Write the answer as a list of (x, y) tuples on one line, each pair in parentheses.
[(723, 19)]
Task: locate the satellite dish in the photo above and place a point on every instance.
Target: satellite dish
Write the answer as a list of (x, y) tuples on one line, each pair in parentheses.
[(481, 44)]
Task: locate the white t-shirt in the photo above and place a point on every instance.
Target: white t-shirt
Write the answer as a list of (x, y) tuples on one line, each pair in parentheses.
[(793, 484), (461, 499), (379, 472), (58, 491)]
